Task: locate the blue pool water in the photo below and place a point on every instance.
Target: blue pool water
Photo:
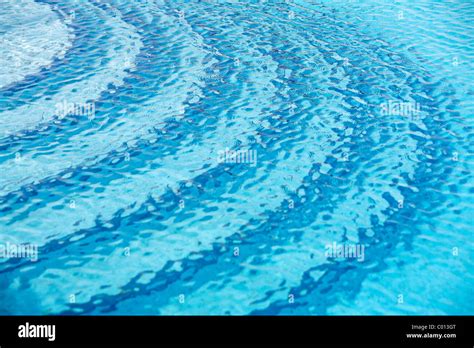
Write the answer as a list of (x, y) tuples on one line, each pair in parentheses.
[(203, 157)]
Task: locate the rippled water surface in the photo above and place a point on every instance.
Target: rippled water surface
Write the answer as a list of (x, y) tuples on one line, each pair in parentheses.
[(351, 126)]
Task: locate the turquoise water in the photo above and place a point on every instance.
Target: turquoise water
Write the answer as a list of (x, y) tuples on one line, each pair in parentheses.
[(203, 157)]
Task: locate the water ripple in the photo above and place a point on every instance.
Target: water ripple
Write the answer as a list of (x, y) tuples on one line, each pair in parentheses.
[(134, 213)]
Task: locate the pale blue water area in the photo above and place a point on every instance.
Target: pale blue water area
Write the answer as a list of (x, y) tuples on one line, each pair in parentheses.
[(231, 157)]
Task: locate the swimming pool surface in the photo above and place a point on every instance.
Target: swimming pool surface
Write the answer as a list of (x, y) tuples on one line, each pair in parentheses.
[(236, 157)]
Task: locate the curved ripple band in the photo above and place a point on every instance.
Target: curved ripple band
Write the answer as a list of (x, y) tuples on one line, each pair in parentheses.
[(223, 157)]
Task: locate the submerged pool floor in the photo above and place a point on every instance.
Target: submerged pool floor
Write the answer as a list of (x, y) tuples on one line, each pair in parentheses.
[(234, 157)]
